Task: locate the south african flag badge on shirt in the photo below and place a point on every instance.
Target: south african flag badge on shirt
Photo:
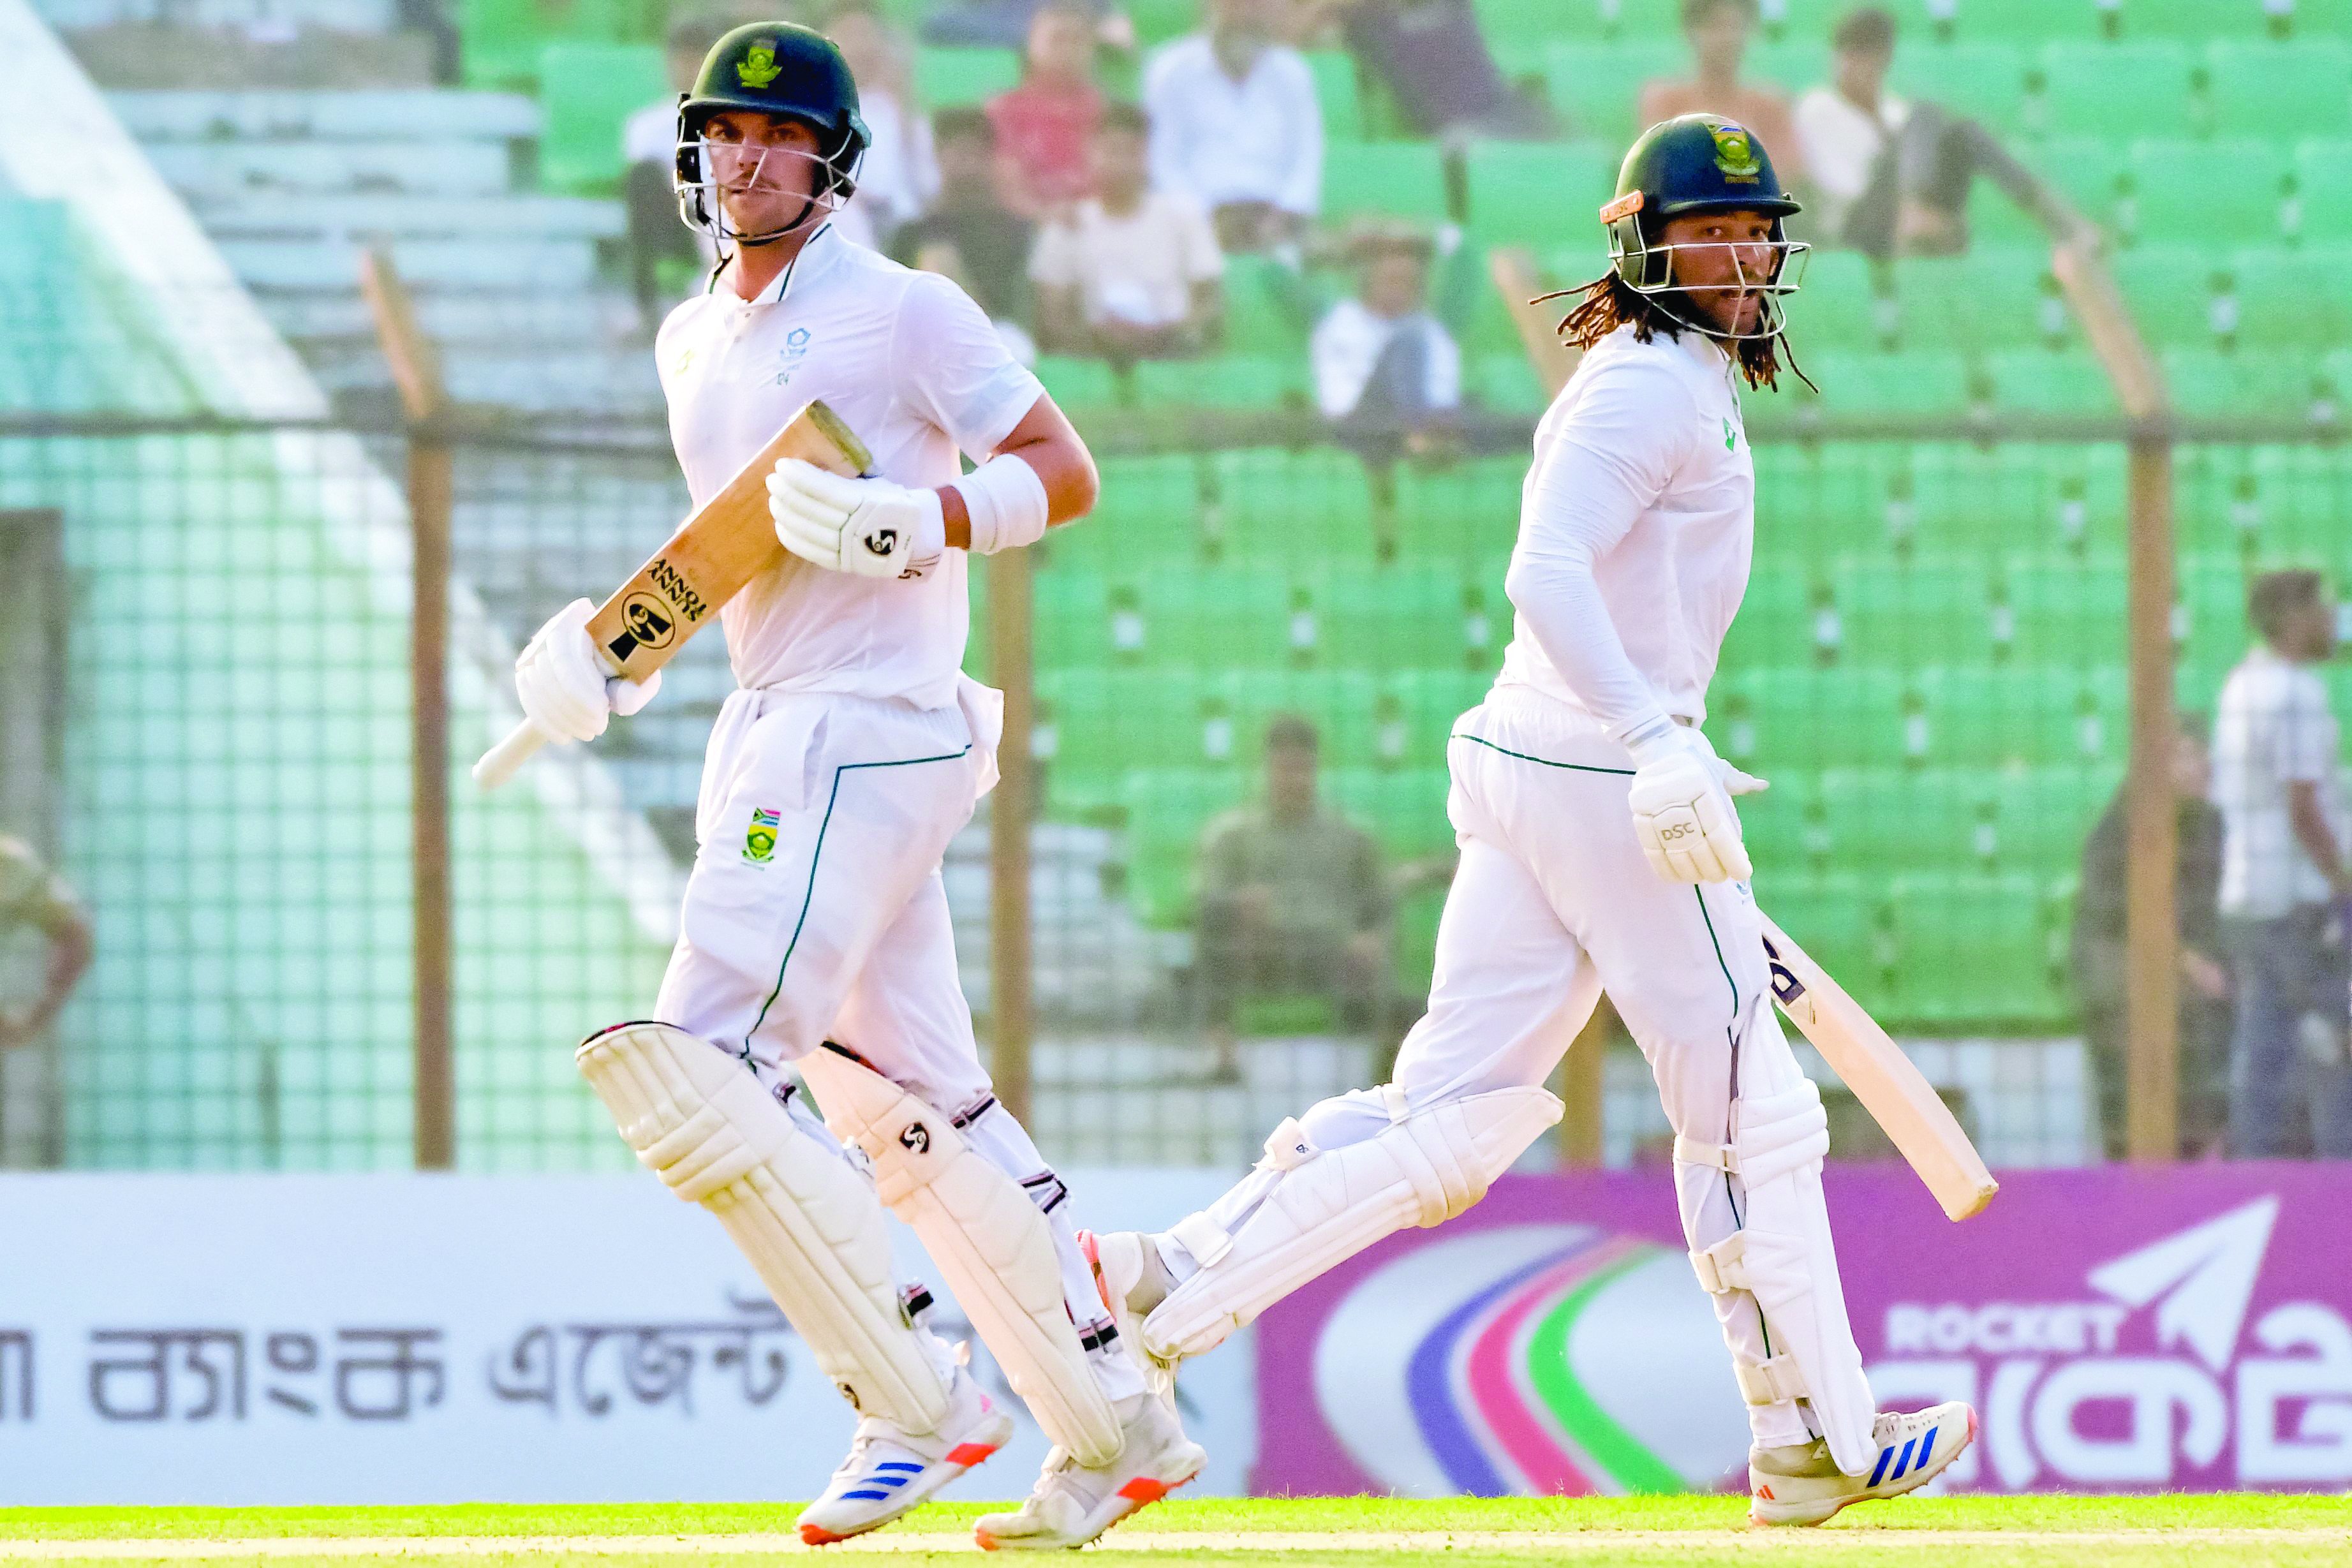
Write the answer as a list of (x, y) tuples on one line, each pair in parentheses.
[(760, 837)]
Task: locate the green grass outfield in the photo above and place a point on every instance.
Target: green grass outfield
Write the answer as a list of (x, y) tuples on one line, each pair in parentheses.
[(2189, 1532)]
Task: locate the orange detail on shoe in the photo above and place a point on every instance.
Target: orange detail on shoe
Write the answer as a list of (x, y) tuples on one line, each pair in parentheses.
[(969, 1454), (817, 1535), (1143, 1489), (986, 1542), (1764, 1492)]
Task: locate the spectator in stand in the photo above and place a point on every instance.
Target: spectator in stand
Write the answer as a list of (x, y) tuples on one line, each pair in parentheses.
[(1236, 127), (1433, 58), (2099, 970), (2285, 882), (900, 174), (33, 899), (1045, 127), (649, 147), (1129, 273), (1720, 32), (431, 18), (969, 235), (1292, 902), (1893, 178), (1387, 372), (1004, 24)]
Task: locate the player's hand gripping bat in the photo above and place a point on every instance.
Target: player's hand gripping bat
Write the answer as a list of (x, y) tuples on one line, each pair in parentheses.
[(728, 542), (1898, 1096)]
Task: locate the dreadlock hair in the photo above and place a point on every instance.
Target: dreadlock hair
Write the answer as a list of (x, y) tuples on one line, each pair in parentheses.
[(1609, 302)]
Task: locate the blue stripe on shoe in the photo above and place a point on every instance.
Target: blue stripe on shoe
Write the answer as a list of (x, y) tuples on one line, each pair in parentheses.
[(1904, 1463), (900, 1465), (868, 1497), (1883, 1455), (1927, 1445)]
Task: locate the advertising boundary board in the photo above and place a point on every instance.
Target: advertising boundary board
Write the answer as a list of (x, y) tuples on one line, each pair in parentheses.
[(419, 1339), (2119, 1328)]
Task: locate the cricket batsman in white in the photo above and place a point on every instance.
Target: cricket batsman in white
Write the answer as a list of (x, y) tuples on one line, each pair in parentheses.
[(1601, 849), (816, 931)]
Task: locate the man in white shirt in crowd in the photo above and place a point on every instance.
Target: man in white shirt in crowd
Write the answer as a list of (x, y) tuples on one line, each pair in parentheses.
[(1128, 273), (2285, 881), (1235, 125), (1387, 372), (1892, 177)]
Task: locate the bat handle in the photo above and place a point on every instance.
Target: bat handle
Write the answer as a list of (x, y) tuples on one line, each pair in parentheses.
[(500, 763)]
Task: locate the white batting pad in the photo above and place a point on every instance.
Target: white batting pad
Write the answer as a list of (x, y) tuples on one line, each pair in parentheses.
[(989, 1240), (1782, 1254), (807, 1220), (1327, 1204)]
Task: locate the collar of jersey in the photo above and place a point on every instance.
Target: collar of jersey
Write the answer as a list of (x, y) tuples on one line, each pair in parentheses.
[(814, 260)]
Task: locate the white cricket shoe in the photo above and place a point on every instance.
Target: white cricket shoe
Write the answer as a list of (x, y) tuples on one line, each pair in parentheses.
[(1073, 1504), (889, 1471), (1131, 1279), (1799, 1484)]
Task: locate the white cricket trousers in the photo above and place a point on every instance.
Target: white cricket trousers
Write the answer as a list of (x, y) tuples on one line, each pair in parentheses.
[(1554, 902), (816, 911)]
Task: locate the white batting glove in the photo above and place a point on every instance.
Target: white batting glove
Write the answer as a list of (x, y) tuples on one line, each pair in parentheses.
[(871, 528), (1681, 805), (562, 684)]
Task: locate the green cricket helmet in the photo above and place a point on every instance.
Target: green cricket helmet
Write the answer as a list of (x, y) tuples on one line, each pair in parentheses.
[(1697, 163), (774, 68)]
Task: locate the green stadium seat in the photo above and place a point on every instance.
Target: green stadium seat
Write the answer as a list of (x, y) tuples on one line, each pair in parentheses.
[(1983, 81), (500, 41), (1340, 703), (1335, 90), (2177, 293), (2284, 89), (1929, 381), (2231, 192), (2291, 298), (1539, 192), (2223, 385), (1149, 511), (1464, 514), (1403, 179), (1265, 308), (1099, 724), (1984, 950), (2087, 170), (2022, 21), (1896, 819), (1515, 25), (1986, 715), (1421, 706), (1994, 297), (1075, 623), (1168, 810), (586, 91), (1268, 505), (1507, 382), (1227, 381), (1078, 383), (1787, 617), (2195, 21), (2116, 89), (1159, 21), (1837, 304), (1928, 611), (1223, 618), (1792, 65), (1839, 916), (2265, 503), (1404, 808), (1388, 621), (946, 77), (1596, 87), (2036, 381), (2070, 614), (2323, 190)]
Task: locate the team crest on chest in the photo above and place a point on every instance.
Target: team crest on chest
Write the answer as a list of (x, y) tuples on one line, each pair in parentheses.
[(789, 357)]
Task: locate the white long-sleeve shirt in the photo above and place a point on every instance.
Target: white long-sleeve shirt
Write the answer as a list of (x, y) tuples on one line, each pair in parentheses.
[(1220, 140), (2273, 729), (1636, 526)]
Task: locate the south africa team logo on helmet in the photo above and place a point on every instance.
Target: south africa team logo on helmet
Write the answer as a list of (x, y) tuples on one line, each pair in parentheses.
[(1735, 154), (758, 67), (760, 837)]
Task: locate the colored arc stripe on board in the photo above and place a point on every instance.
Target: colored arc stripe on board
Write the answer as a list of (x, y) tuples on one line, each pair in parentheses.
[(1632, 1467), (1488, 1375), (1429, 1383)]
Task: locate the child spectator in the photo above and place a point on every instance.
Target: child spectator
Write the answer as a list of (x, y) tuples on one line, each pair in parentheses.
[(1129, 273)]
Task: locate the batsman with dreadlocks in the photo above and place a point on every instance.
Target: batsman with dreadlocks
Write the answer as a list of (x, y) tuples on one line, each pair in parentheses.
[(816, 934), (1601, 849)]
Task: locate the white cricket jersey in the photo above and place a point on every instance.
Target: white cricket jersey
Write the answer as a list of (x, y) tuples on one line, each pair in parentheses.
[(912, 365), (1636, 526), (2273, 728)]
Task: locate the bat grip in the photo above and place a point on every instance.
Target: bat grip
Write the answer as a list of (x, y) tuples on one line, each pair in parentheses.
[(500, 763)]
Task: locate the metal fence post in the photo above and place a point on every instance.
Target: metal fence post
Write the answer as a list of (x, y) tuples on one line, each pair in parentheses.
[(2151, 927), (431, 495), (1011, 1016)]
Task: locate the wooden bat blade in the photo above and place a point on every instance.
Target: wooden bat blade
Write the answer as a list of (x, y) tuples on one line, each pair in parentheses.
[(1895, 1093), (726, 542)]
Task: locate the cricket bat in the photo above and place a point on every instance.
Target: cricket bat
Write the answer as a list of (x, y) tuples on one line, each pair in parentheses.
[(1893, 1091), (728, 542)]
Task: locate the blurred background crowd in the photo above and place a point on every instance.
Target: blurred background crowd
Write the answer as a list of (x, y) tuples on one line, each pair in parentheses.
[(1266, 253)]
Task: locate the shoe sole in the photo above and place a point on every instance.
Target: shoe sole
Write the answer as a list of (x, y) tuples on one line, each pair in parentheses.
[(961, 1459), (1808, 1520), (1135, 1496)]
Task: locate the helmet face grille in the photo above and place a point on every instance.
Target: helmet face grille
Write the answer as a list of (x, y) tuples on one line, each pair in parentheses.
[(778, 68)]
